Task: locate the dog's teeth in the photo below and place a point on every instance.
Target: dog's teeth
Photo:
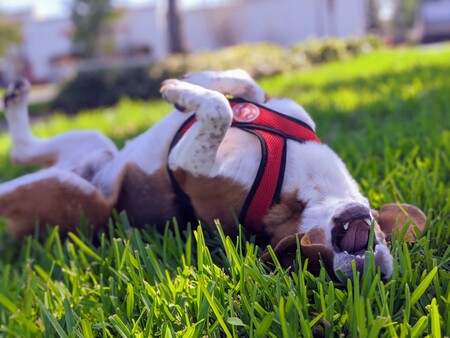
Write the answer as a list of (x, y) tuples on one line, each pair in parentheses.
[(368, 221), (346, 226)]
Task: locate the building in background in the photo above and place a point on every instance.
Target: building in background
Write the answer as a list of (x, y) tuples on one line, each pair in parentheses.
[(141, 33)]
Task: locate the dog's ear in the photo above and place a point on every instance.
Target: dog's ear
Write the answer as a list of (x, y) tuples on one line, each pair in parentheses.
[(285, 251), (312, 246), (393, 218)]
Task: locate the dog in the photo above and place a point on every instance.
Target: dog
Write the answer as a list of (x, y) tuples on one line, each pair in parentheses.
[(227, 152)]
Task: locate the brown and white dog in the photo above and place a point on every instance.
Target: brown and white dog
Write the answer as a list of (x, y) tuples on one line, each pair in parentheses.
[(213, 163)]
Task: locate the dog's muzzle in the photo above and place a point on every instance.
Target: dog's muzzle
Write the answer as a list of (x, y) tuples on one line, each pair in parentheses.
[(350, 240), (351, 230)]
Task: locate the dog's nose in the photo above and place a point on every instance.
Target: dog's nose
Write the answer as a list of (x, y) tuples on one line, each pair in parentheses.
[(351, 229)]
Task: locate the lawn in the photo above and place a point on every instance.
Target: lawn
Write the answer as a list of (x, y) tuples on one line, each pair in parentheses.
[(387, 114)]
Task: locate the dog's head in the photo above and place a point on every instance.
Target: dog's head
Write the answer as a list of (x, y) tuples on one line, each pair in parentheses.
[(349, 238), (332, 219)]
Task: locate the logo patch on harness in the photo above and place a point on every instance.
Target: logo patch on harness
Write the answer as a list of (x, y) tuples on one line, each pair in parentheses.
[(245, 112)]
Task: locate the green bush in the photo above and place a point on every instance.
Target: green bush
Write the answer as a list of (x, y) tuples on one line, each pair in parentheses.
[(329, 49), (261, 59), (105, 87)]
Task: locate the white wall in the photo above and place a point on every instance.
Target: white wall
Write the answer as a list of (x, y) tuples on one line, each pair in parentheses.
[(141, 26), (281, 21), (43, 41)]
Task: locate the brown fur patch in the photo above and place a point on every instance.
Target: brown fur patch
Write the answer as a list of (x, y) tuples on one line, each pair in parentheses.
[(314, 247), (214, 198), (46, 160), (52, 202), (281, 224), (147, 199), (285, 251), (283, 219)]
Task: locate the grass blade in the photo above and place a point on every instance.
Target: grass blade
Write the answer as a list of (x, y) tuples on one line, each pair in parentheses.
[(420, 290)]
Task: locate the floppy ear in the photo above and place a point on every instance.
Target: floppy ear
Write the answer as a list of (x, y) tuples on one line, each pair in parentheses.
[(393, 218), (312, 246), (285, 251)]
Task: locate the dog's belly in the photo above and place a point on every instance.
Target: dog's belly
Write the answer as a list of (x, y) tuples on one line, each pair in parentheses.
[(147, 151), (147, 196), (238, 158), (146, 193), (212, 199), (148, 199)]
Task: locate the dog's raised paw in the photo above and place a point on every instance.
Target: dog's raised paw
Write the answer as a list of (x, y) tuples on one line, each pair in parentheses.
[(17, 92), (185, 96), (167, 91)]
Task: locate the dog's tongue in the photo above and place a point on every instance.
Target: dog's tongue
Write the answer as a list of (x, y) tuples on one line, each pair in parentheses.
[(356, 237)]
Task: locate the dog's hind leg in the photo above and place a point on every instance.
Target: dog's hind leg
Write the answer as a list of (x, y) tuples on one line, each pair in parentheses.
[(69, 150), (197, 149), (25, 146), (236, 82), (55, 197)]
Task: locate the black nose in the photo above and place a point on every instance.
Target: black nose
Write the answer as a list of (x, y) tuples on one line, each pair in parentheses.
[(352, 228)]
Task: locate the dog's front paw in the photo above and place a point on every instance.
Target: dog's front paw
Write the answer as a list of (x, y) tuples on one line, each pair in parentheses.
[(188, 97), (17, 93), (180, 94)]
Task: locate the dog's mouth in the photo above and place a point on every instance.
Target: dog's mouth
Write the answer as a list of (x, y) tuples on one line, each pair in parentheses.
[(350, 239), (352, 236)]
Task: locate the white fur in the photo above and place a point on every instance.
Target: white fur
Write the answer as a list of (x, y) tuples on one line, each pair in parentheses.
[(63, 176), (326, 188), (149, 151), (238, 158), (343, 261)]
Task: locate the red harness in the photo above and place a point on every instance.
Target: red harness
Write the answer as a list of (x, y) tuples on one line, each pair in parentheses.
[(273, 130)]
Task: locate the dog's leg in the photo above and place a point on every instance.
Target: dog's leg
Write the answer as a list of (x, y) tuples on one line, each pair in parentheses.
[(25, 147), (70, 150), (196, 151), (52, 196), (236, 82)]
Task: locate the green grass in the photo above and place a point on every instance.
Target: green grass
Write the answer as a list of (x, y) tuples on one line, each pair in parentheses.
[(386, 114)]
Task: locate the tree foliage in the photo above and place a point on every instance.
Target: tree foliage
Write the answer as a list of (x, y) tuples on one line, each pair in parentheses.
[(91, 20), (10, 34)]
